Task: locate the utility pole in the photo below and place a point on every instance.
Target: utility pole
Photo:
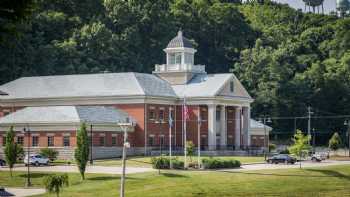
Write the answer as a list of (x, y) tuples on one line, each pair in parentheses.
[(309, 112)]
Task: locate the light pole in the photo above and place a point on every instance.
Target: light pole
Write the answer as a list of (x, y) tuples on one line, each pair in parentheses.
[(313, 141), (347, 123), (264, 120), (124, 126), (27, 132), (91, 145)]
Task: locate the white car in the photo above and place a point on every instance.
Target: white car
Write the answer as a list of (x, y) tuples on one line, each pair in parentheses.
[(36, 159)]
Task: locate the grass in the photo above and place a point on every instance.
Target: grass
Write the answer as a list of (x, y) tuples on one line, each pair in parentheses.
[(326, 181), (146, 161)]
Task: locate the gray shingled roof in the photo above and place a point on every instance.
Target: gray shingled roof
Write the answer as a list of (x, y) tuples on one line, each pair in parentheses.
[(180, 41), (87, 85), (66, 114)]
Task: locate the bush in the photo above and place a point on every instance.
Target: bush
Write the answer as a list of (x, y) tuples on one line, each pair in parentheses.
[(220, 163), (164, 163), (49, 153), (272, 147)]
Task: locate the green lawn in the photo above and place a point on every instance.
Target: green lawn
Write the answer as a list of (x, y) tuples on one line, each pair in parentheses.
[(146, 161), (326, 181)]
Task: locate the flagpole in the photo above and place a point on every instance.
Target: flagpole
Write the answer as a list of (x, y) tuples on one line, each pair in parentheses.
[(199, 137), (170, 125), (185, 131)]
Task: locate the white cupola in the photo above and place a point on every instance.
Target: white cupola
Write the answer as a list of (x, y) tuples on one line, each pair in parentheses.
[(179, 67)]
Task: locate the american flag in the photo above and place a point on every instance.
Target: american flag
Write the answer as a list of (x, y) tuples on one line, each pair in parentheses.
[(186, 115), (170, 119)]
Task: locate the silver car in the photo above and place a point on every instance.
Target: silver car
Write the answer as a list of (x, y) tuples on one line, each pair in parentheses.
[(36, 159)]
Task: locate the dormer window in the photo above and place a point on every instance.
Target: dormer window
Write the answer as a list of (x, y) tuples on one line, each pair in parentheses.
[(174, 58)]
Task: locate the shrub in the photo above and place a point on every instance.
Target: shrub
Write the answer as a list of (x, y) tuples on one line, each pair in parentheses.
[(220, 163), (272, 147), (54, 183), (164, 163), (49, 153)]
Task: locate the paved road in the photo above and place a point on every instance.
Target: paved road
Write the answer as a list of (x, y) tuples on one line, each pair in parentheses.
[(89, 169), (306, 164), (22, 192), (131, 170)]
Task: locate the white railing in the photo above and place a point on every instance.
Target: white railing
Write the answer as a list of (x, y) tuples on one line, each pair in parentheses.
[(179, 67)]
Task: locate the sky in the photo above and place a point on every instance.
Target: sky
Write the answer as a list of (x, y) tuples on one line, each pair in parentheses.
[(329, 5)]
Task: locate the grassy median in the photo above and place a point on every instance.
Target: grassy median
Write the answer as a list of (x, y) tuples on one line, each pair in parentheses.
[(325, 181)]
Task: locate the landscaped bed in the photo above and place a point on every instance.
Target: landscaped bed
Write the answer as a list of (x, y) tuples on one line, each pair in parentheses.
[(325, 181)]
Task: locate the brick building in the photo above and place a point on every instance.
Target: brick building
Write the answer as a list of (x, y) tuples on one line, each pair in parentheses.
[(53, 107)]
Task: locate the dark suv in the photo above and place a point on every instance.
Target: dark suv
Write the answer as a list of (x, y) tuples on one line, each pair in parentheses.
[(282, 158)]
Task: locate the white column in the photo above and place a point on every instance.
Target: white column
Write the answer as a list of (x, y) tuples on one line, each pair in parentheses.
[(223, 132), (212, 127), (237, 128), (245, 126)]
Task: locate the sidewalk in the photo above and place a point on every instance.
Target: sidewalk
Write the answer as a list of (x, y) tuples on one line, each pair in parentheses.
[(74, 168)]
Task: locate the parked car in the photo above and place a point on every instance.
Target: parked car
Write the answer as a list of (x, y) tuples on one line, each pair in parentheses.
[(281, 158), (2, 162), (36, 159)]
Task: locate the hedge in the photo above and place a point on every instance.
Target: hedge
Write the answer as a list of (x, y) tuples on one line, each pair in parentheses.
[(164, 163), (212, 163)]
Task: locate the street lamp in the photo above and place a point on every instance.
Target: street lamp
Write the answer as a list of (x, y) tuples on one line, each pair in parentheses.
[(160, 122), (91, 145), (265, 119), (124, 126), (347, 123), (313, 141), (27, 131)]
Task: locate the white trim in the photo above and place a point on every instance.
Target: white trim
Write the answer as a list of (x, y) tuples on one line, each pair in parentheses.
[(50, 134)]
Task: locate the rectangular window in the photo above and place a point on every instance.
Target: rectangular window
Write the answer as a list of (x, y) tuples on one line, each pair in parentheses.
[(161, 114), (20, 140), (50, 141), (188, 58), (232, 87), (66, 141), (35, 141), (174, 58), (150, 141), (161, 140), (102, 140), (218, 114), (114, 140), (152, 114)]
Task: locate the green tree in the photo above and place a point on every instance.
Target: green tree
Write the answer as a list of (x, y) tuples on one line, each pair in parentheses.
[(301, 146), (190, 149), (49, 153), (81, 153), (11, 149), (335, 142), (54, 183)]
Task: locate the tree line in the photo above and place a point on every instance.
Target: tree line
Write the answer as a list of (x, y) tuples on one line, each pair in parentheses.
[(288, 60)]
